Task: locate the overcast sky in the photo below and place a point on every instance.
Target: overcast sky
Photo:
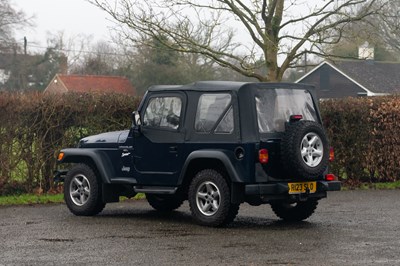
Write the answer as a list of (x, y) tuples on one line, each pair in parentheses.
[(75, 17), (71, 16)]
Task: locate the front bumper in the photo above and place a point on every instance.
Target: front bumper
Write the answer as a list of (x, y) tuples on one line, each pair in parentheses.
[(59, 176), (282, 188)]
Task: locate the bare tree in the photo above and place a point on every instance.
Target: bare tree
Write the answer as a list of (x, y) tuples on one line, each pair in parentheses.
[(73, 47), (244, 35), (140, 63), (389, 25), (10, 20), (381, 31), (100, 58)]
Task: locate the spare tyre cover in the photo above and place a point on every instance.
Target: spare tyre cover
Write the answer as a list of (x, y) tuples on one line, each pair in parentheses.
[(304, 150)]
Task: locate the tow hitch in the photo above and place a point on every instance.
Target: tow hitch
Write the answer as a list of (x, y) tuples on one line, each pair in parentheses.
[(302, 197)]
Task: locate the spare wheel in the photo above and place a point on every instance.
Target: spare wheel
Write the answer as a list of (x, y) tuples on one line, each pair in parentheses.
[(304, 150)]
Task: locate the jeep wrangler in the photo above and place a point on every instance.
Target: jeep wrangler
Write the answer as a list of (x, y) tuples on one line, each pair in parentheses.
[(215, 144)]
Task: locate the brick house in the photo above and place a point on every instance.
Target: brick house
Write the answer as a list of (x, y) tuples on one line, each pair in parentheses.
[(90, 84)]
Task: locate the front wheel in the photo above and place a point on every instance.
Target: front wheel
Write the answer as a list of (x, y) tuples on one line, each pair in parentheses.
[(209, 199), (294, 212), (82, 191)]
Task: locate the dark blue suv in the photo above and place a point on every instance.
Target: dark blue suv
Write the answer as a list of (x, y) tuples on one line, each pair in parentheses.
[(215, 144)]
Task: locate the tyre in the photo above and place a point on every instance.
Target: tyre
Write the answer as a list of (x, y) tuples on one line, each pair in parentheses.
[(294, 212), (305, 150), (164, 203), (82, 191), (210, 199)]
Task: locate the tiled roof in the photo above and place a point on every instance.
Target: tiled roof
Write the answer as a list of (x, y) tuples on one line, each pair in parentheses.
[(378, 77), (102, 84)]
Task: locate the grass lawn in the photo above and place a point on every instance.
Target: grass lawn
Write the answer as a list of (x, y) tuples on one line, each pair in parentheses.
[(26, 199), (31, 199), (391, 185)]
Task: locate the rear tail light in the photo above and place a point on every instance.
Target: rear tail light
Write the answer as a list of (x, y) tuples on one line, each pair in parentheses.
[(331, 154), (330, 177), (263, 156), (294, 118)]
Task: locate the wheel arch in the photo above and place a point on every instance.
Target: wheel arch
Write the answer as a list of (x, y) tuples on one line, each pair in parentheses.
[(95, 159), (218, 160), (202, 159)]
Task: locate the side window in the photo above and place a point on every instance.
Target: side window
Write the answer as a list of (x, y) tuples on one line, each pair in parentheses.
[(163, 112), (226, 124), (213, 109)]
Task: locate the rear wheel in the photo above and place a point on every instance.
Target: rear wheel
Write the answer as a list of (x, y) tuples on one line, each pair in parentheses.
[(294, 212), (164, 202), (209, 199), (82, 191)]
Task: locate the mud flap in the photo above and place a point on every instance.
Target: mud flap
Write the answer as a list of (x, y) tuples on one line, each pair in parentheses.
[(237, 193)]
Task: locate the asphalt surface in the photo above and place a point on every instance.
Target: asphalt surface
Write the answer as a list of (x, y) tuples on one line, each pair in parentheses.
[(348, 228)]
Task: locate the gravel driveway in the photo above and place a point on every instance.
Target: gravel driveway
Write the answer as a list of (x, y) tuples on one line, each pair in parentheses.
[(348, 228)]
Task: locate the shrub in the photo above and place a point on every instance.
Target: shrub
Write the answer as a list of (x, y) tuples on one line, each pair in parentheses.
[(365, 135), (364, 132), (34, 127)]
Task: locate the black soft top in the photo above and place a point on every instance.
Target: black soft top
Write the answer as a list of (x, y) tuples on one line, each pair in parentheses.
[(228, 86)]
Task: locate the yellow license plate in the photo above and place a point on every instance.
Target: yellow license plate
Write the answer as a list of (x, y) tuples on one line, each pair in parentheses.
[(301, 187)]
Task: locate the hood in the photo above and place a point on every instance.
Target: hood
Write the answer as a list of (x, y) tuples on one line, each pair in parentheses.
[(104, 140)]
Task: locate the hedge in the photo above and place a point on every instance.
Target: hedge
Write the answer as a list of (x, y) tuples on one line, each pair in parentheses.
[(365, 134), (33, 128)]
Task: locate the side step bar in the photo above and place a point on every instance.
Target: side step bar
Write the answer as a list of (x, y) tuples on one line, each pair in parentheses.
[(155, 190)]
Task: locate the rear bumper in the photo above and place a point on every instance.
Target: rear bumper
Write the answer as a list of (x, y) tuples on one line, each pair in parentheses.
[(282, 188)]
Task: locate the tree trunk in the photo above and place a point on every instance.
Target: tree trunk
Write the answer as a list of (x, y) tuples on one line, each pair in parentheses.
[(271, 59)]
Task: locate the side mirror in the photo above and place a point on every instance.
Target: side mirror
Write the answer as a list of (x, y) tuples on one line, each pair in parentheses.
[(136, 118)]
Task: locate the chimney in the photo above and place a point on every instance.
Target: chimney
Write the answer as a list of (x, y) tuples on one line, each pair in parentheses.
[(63, 64), (366, 52)]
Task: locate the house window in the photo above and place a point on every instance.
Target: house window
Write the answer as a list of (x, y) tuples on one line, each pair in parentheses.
[(324, 78)]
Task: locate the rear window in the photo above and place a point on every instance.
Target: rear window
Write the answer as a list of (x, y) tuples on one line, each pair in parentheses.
[(275, 106)]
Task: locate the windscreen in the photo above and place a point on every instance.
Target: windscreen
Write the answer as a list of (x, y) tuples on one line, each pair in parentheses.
[(275, 106)]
